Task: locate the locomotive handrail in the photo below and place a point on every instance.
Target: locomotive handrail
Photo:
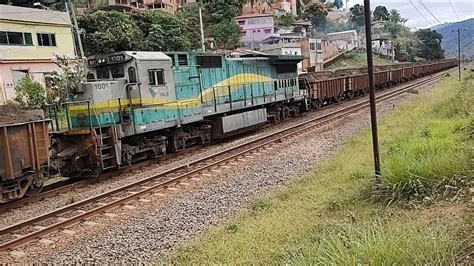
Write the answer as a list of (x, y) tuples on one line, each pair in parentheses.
[(77, 103)]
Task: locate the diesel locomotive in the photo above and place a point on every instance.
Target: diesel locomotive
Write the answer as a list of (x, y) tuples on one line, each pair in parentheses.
[(139, 105)]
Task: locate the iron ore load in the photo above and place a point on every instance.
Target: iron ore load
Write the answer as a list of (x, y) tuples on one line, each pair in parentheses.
[(140, 105)]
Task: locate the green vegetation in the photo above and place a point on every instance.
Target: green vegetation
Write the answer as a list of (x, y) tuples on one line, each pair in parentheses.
[(107, 31), (356, 59), (329, 217), (30, 93)]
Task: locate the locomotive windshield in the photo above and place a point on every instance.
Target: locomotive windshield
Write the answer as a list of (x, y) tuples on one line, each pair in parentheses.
[(110, 72), (108, 67)]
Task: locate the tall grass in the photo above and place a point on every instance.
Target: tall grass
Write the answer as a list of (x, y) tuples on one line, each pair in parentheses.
[(378, 243), (436, 154)]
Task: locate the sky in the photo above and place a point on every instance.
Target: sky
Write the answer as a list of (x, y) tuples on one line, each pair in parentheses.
[(441, 9)]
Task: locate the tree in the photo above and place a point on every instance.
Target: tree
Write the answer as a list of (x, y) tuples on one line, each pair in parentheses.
[(221, 10), (357, 15), (381, 13), (65, 80), (108, 32), (190, 15), (30, 93), (227, 34), (316, 12), (163, 31), (285, 20), (430, 44)]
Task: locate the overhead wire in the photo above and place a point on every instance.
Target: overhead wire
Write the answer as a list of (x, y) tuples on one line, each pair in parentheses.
[(454, 10), (419, 12), (429, 11)]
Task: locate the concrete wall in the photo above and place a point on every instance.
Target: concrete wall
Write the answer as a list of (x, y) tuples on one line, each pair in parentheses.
[(64, 41), (255, 29), (17, 60), (10, 73)]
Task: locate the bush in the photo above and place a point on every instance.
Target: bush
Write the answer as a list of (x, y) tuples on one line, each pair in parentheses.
[(30, 93)]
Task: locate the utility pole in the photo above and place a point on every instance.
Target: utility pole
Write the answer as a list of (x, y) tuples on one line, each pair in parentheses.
[(74, 19), (203, 46), (373, 111), (459, 51)]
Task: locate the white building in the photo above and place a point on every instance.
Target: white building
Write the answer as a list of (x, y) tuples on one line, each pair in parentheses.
[(283, 45), (343, 40)]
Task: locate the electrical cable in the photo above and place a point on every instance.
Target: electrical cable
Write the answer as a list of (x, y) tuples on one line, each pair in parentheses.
[(419, 12), (454, 10), (429, 11)]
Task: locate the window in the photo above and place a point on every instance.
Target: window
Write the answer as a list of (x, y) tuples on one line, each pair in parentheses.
[(318, 46), (157, 77), (117, 72), (173, 61), (132, 75), (209, 61), (312, 46), (241, 22), (103, 73), (15, 38), (90, 76), (46, 39), (286, 68), (182, 59), (268, 31)]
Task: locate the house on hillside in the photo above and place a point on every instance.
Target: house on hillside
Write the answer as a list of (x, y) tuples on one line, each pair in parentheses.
[(276, 7), (163, 5), (257, 7), (291, 44), (29, 39), (343, 40), (255, 28)]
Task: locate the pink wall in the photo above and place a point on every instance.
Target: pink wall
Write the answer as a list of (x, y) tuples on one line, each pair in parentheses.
[(36, 70), (255, 29)]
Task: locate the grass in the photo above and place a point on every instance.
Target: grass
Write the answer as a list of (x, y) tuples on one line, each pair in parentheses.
[(356, 59), (327, 216)]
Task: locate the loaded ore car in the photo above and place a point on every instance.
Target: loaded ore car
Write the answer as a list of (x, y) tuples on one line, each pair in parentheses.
[(139, 105), (24, 158), (347, 83)]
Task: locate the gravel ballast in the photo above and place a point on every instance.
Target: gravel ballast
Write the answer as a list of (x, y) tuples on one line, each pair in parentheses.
[(154, 231)]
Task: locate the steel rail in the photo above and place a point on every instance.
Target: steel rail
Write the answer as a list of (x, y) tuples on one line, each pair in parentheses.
[(267, 140)]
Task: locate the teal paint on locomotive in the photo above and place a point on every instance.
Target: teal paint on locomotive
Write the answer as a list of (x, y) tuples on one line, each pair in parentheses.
[(188, 83)]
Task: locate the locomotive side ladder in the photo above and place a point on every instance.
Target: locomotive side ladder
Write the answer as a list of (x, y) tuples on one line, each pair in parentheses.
[(107, 148), (304, 83)]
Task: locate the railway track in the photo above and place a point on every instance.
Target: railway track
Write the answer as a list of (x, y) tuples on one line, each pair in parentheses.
[(33, 229), (70, 185)]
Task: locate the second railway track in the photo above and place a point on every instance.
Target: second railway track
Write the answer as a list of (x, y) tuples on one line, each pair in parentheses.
[(33, 229)]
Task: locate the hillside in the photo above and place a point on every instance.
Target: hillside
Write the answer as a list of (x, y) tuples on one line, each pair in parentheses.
[(450, 38), (356, 59)]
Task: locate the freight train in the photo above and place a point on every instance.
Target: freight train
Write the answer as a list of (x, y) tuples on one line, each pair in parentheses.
[(140, 105)]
